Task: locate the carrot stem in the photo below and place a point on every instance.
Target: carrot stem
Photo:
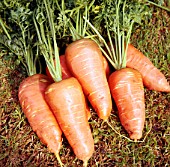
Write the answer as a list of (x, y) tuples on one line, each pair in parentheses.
[(163, 7), (103, 40), (4, 28), (48, 47), (56, 52)]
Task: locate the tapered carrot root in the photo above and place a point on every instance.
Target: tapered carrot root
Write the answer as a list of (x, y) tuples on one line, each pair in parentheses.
[(67, 102), (85, 61), (127, 90), (41, 119), (153, 79)]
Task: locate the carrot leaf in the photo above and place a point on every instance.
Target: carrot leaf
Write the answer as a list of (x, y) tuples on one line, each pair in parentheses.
[(21, 43), (118, 18)]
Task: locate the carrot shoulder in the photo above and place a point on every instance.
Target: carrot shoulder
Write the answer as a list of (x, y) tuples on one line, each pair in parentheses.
[(153, 79), (85, 61), (41, 119), (127, 90), (67, 102)]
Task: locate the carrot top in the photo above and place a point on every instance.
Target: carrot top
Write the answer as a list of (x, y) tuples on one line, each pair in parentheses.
[(21, 43), (47, 41), (118, 18), (73, 17)]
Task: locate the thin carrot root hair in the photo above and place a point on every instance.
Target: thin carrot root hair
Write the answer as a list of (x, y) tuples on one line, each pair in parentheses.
[(135, 140), (59, 159), (85, 163)]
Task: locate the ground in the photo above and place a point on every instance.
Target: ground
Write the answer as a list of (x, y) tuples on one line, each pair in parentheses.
[(20, 147)]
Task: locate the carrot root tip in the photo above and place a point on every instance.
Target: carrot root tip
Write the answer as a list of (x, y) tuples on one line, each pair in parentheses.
[(136, 135), (85, 163), (59, 160)]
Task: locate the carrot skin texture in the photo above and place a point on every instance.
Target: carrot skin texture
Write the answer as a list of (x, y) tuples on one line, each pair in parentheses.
[(85, 61), (40, 117), (153, 79), (67, 102), (127, 90)]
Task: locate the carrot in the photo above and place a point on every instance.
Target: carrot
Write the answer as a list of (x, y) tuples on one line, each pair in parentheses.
[(69, 110), (153, 79), (127, 90), (85, 61), (65, 97), (125, 84), (31, 92), (38, 113)]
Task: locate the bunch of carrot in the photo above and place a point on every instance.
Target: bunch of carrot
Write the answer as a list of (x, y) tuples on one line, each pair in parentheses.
[(133, 69), (82, 76)]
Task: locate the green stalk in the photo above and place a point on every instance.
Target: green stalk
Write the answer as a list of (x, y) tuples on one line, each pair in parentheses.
[(85, 23), (104, 42), (111, 50), (123, 65), (116, 53), (56, 52), (48, 46), (44, 48), (76, 16), (162, 7), (118, 36), (27, 51), (4, 28)]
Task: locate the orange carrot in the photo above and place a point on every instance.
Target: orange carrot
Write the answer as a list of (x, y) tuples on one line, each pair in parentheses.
[(31, 97), (127, 90), (153, 79), (85, 61), (67, 101), (39, 115)]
